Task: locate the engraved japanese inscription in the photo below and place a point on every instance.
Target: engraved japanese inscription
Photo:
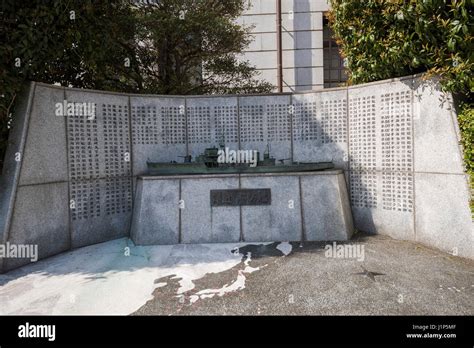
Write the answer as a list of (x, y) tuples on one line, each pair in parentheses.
[(362, 146), (106, 139), (238, 197), (305, 123), (397, 151)]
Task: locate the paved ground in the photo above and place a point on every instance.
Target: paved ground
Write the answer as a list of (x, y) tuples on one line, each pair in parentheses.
[(415, 281), (392, 277)]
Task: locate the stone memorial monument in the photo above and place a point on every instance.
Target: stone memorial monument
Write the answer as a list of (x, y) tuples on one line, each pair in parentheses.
[(76, 169)]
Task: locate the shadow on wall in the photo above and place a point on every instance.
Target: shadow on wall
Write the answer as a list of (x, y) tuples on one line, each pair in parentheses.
[(44, 136), (427, 88), (48, 235)]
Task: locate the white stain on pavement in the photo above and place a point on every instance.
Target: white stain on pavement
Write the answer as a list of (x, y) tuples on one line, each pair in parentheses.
[(236, 285), (101, 279), (285, 248), (248, 268)]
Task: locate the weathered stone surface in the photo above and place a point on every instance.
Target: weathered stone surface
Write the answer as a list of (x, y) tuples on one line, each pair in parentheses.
[(158, 127), (348, 219), (320, 127), (381, 157), (380, 126), (212, 122), (326, 209), (11, 167), (266, 121), (102, 210), (397, 225), (443, 217), (45, 155), (100, 161), (383, 203), (40, 218), (156, 212), (280, 221), (201, 223), (99, 145), (437, 148)]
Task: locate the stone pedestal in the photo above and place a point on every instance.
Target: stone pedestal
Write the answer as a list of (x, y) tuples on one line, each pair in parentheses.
[(304, 207)]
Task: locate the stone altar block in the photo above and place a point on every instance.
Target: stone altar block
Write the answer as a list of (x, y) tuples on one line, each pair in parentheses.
[(304, 206)]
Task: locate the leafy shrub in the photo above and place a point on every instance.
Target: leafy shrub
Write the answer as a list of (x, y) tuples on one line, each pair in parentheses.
[(118, 45), (384, 39), (466, 124)]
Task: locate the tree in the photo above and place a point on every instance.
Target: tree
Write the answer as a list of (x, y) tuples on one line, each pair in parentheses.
[(191, 47), (69, 43), (116, 45)]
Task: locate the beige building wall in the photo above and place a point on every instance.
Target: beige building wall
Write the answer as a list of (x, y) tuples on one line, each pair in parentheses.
[(303, 54)]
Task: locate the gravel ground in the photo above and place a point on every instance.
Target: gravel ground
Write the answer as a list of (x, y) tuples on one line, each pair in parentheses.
[(395, 278)]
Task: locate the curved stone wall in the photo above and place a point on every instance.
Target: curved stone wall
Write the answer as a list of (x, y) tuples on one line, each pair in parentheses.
[(69, 181)]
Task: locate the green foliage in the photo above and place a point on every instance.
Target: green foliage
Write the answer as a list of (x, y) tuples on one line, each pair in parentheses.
[(44, 41), (466, 125), (117, 46), (385, 38)]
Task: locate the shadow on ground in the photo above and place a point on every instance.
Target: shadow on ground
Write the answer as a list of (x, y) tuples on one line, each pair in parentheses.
[(392, 277)]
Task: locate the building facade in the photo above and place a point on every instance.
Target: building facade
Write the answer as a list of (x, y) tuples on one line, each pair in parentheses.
[(310, 56)]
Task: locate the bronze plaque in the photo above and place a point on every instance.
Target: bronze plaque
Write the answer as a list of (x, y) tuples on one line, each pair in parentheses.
[(238, 197)]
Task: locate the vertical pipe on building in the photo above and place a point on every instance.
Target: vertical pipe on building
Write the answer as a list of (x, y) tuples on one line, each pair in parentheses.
[(279, 48)]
